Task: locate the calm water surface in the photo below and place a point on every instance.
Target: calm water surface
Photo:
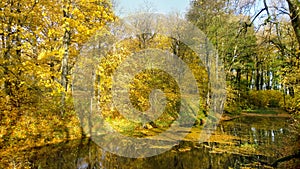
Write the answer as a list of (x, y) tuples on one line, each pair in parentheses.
[(252, 140)]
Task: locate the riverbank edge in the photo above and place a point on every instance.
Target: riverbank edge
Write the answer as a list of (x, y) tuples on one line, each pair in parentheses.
[(256, 113)]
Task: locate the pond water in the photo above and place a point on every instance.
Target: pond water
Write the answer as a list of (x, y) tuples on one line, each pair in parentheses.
[(238, 143)]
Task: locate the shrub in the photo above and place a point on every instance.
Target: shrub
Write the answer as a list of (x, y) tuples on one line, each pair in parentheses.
[(264, 99), (232, 105)]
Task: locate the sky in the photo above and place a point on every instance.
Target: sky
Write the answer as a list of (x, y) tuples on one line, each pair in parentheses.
[(125, 7)]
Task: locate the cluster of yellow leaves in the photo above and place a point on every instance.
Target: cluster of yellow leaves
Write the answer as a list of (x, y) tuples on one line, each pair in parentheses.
[(148, 80), (31, 51)]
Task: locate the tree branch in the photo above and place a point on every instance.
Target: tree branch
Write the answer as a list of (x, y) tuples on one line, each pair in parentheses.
[(286, 158)]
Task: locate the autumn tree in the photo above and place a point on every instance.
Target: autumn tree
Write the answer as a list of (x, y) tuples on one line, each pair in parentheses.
[(40, 42)]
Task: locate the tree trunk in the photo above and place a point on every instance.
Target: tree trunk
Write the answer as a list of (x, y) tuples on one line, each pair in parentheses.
[(291, 91), (261, 86), (208, 65), (247, 78), (6, 42), (251, 80), (257, 79), (294, 6), (238, 77), (269, 87), (64, 64)]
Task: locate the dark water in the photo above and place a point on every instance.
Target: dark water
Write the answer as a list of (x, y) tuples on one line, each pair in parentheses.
[(261, 131), (266, 138)]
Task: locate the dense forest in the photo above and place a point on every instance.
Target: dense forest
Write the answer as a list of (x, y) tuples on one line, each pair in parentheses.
[(258, 43), (260, 51)]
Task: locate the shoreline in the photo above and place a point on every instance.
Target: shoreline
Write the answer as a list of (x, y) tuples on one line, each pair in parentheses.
[(280, 113)]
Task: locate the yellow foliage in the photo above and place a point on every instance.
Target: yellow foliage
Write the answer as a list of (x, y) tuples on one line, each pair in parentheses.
[(265, 98), (30, 74)]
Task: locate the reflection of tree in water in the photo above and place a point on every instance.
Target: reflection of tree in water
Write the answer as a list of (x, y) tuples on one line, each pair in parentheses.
[(215, 154), (271, 137)]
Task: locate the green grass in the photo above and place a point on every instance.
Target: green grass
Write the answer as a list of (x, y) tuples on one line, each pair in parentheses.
[(264, 111)]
